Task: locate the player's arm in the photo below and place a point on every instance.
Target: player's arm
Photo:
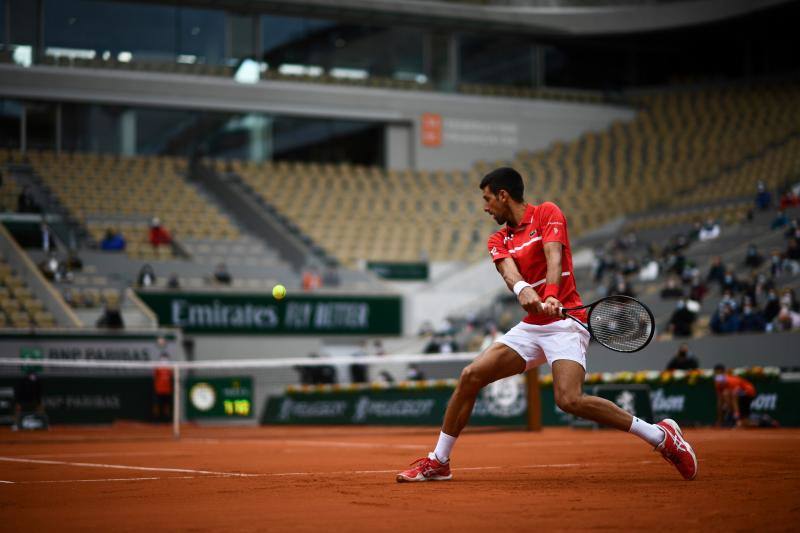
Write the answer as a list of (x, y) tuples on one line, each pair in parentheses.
[(552, 253), (527, 297)]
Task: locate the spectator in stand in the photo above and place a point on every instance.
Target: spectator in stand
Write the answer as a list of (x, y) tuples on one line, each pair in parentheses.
[(734, 396), (791, 257), (621, 287), (158, 234), (716, 273), (26, 203), (787, 320), (773, 306), (682, 320), (752, 258), (146, 277), (789, 199), (776, 264), (331, 277), (780, 220), (672, 289), (727, 298), (729, 282), (111, 318), (752, 320), (683, 359), (697, 289), (630, 266), (414, 373), (377, 347), (694, 233), (709, 231), (763, 196), (311, 279), (649, 271), (221, 274), (173, 282), (725, 320), (789, 299), (112, 241), (794, 229)]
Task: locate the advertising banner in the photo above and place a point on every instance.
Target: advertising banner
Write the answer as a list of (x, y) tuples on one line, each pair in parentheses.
[(91, 346), (502, 403), (261, 314), (505, 404)]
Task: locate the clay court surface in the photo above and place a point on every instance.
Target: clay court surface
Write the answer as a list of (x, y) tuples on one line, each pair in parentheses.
[(137, 478)]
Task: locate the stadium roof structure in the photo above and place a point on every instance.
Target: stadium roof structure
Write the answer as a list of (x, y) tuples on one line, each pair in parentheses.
[(543, 17)]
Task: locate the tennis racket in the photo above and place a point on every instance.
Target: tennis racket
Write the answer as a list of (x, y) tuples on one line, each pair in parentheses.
[(619, 323)]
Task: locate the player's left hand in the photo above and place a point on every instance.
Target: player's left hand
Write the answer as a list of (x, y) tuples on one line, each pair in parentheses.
[(551, 307)]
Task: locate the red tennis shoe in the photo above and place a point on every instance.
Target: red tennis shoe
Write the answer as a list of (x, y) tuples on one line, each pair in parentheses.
[(676, 450), (426, 469)]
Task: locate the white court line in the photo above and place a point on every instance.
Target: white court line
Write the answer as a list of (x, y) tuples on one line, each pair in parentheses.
[(124, 467), (93, 454), (4, 481), (288, 474), (317, 443), (109, 479)]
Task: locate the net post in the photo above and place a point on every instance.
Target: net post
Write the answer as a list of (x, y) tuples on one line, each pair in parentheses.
[(534, 400), (176, 401)]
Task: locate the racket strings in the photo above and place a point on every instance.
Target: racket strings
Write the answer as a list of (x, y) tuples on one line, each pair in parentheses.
[(621, 324)]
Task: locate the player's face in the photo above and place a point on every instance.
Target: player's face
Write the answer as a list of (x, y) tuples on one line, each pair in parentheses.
[(493, 204)]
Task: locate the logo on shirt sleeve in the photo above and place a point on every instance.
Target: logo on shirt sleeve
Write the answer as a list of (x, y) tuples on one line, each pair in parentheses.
[(493, 251)]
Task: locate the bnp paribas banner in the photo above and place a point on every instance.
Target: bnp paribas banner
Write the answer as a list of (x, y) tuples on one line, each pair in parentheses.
[(261, 314)]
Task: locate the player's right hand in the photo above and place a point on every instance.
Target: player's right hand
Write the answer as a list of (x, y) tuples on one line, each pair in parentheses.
[(530, 301)]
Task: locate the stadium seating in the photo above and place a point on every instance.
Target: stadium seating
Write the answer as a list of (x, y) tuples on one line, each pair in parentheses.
[(19, 307), (104, 191), (682, 149)]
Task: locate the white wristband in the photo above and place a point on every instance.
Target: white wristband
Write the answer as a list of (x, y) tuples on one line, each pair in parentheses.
[(518, 286)]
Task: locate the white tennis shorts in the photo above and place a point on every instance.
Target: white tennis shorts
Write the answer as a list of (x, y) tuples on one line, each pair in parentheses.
[(564, 339)]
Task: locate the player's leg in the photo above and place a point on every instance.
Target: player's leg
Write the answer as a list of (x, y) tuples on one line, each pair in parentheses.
[(666, 436), (496, 362), (568, 378)]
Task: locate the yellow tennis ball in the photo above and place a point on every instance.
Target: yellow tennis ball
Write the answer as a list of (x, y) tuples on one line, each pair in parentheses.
[(278, 292)]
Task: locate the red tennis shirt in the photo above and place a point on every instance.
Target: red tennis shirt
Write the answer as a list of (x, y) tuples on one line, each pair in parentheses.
[(525, 245)]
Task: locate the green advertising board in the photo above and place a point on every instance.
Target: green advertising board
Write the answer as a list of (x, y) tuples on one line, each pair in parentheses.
[(503, 403), (261, 314), (688, 404), (219, 398), (399, 271), (99, 400)]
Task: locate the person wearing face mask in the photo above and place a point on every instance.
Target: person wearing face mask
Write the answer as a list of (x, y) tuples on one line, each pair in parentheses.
[(725, 320), (681, 321), (789, 300), (751, 320), (773, 306), (683, 359)]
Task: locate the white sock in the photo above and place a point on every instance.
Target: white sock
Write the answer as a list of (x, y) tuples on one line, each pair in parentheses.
[(650, 433), (443, 447)]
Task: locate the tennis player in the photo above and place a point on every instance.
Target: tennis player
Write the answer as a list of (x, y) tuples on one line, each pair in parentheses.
[(532, 254)]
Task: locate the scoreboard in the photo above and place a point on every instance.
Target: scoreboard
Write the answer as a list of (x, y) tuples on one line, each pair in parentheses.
[(229, 397)]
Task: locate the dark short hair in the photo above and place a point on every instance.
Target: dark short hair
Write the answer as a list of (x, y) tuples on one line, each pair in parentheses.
[(719, 368), (504, 178)]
